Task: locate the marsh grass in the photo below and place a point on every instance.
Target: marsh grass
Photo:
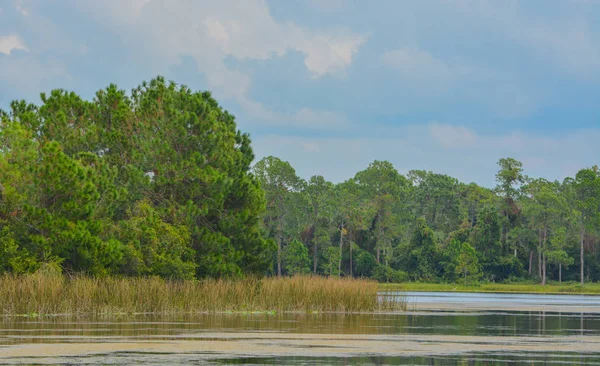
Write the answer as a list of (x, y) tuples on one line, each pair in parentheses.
[(47, 293), (551, 288)]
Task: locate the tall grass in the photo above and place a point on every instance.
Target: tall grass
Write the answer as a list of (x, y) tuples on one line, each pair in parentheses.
[(44, 293)]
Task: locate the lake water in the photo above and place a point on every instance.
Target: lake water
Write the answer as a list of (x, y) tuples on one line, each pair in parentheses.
[(437, 329)]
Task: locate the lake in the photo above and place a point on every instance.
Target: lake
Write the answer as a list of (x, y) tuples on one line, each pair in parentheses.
[(437, 329)]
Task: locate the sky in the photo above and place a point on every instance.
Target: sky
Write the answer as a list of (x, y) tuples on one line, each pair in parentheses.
[(332, 85)]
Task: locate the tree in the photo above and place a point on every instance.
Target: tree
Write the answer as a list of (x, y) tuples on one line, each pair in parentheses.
[(295, 258), (71, 170), (345, 206), (587, 190), (332, 257), (487, 239), (467, 263), (422, 252), (319, 194), (545, 208), (279, 180), (556, 254), (154, 247), (509, 178), (436, 199), (365, 263)]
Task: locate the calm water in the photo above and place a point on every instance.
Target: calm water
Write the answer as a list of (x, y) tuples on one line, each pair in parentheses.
[(420, 337)]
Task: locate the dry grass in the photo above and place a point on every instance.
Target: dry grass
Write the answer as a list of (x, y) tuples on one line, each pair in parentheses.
[(44, 294)]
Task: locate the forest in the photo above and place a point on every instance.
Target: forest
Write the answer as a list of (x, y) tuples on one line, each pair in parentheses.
[(160, 182)]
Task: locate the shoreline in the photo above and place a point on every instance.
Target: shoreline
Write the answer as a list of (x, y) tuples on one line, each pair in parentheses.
[(592, 289)]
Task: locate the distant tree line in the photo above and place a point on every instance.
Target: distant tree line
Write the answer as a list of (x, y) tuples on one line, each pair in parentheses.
[(159, 182), (430, 227)]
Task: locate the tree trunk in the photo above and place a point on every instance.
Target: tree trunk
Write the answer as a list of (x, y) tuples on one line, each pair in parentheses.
[(581, 252), (544, 257), (279, 256), (530, 260), (341, 248), (544, 271), (315, 251), (378, 255), (351, 265), (539, 254), (560, 273), (515, 252)]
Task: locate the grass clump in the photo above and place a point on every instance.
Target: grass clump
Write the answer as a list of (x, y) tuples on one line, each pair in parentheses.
[(47, 293)]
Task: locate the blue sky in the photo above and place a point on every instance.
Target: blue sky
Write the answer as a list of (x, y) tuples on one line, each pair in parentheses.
[(331, 85)]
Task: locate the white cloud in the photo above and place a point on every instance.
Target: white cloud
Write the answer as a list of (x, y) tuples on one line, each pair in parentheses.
[(263, 38), (329, 55), (10, 43), (210, 32), (22, 8)]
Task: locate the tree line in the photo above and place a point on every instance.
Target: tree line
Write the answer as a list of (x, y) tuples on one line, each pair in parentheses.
[(160, 182), (427, 226)]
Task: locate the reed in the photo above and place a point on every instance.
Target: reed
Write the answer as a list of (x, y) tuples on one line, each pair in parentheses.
[(47, 293)]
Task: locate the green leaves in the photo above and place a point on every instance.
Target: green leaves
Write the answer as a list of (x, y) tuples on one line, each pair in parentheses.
[(157, 183), (295, 258)]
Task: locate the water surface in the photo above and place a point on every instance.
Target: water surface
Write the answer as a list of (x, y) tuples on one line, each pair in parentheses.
[(439, 328)]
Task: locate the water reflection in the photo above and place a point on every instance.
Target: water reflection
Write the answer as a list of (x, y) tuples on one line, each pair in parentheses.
[(62, 329)]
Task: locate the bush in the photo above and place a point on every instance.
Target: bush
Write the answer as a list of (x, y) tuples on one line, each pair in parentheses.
[(388, 274), (365, 264), (296, 259)]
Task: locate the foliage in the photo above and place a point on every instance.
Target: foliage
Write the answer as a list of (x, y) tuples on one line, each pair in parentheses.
[(295, 258), (154, 183), (387, 274)]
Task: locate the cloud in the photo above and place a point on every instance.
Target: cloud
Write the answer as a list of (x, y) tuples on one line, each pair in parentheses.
[(212, 32), (263, 38), (326, 54), (21, 7), (10, 43)]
